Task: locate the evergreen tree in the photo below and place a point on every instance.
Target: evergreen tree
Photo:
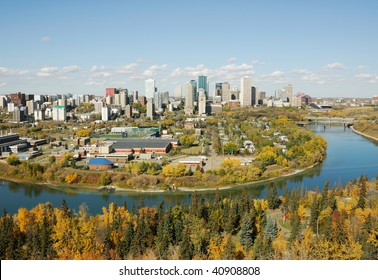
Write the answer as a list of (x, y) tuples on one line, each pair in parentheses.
[(271, 229), (186, 246), (127, 240), (295, 228), (362, 184), (248, 230), (274, 201), (314, 214), (324, 197)]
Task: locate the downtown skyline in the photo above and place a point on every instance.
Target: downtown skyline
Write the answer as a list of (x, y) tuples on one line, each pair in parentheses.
[(321, 48)]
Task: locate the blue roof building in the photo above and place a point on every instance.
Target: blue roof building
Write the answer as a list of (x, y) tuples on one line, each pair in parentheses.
[(100, 164)]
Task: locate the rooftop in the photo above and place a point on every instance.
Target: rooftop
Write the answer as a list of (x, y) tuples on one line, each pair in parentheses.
[(100, 161)]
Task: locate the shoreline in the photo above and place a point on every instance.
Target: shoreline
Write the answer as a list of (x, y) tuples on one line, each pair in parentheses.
[(364, 134), (115, 189)]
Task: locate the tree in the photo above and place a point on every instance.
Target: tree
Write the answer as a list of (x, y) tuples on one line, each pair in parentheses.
[(271, 229), (52, 159), (13, 160), (230, 148), (362, 193), (105, 180), (273, 199), (248, 231), (187, 140)]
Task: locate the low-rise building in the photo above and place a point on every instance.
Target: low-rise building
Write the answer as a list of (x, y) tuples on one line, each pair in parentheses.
[(100, 164)]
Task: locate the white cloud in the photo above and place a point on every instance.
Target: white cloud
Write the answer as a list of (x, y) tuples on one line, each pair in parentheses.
[(190, 71), (12, 72), (301, 71), (71, 69), (364, 76), (102, 75), (334, 66), (361, 67), (96, 68), (45, 38), (152, 70), (232, 59), (47, 71), (310, 77), (128, 69), (2, 85), (277, 74)]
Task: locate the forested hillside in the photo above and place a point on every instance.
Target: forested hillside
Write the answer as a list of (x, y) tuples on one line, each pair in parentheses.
[(336, 223)]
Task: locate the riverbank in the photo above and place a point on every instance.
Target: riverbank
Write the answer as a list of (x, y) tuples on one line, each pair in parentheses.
[(364, 134), (296, 172), (116, 189)]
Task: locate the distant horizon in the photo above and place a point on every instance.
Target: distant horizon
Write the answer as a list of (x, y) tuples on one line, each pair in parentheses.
[(322, 48)]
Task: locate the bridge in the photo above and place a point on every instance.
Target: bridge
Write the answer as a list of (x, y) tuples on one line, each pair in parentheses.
[(326, 120)]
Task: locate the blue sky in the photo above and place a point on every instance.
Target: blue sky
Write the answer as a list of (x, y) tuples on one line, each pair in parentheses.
[(323, 48)]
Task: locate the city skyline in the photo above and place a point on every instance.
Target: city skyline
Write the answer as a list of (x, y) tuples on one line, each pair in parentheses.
[(321, 48)]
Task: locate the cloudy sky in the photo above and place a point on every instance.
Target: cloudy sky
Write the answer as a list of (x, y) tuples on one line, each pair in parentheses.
[(323, 47)]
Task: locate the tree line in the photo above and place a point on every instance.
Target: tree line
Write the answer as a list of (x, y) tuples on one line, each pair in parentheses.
[(334, 223)]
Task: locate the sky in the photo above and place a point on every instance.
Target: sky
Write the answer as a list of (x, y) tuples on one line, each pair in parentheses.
[(323, 48)]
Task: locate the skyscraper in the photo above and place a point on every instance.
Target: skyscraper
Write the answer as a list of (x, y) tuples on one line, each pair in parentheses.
[(254, 96), (226, 92), (194, 84), (150, 108), (189, 98), (202, 83), (149, 88), (245, 97), (289, 91), (201, 102)]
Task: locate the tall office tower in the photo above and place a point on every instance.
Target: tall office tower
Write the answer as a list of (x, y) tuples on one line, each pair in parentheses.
[(31, 106), (226, 92), (3, 102), (194, 84), (289, 91), (62, 102), (178, 91), (116, 99), (165, 97), (254, 96), (109, 100), (150, 108), (202, 83), (158, 100), (59, 113), (218, 89), (105, 114), (39, 115), (110, 92), (189, 98), (98, 107), (149, 86), (201, 102), (123, 98), (129, 111), (245, 98), (19, 114), (135, 96)]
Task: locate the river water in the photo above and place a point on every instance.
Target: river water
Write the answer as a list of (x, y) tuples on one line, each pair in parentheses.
[(349, 156)]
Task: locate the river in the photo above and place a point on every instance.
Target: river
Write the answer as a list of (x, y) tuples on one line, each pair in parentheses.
[(349, 156)]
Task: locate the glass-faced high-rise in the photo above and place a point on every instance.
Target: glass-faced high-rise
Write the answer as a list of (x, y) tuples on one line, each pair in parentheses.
[(202, 83), (149, 88)]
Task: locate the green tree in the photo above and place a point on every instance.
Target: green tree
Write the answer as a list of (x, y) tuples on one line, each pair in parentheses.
[(274, 201), (13, 160), (230, 148), (248, 230)]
